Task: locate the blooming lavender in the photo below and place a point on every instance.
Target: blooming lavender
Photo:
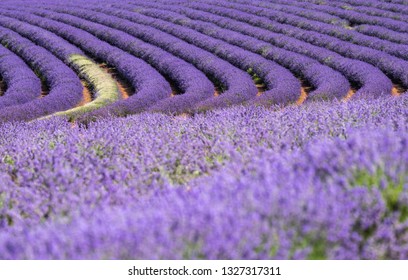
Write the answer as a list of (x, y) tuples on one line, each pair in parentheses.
[(354, 16), (244, 182), (203, 129), (149, 85), (327, 83), (237, 83), (281, 86), (65, 88), (383, 33), (22, 83), (194, 85), (281, 23)]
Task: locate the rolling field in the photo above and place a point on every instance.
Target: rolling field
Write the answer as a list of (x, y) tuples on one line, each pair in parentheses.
[(235, 129)]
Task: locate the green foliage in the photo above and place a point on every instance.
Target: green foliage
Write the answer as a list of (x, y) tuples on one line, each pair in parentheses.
[(257, 80), (216, 159), (391, 192), (316, 243), (193, 251), (52, 145), (7, 159), (273, 250), (104, 87)]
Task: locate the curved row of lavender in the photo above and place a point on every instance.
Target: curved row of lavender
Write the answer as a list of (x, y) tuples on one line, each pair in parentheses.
[(238, 84), (396, 68), (277, 42), (22, 83), (324, 180), (149, 84), (371, 82), (65, 88), (326, 82), (283, 86), (193, 84)]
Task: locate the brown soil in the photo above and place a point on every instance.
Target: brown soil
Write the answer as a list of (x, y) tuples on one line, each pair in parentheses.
[(350, 94), (183, 116), (174, 90), (44, 89), (2, 87), (397, 90), (87, 94), (303, 95), (125, 88), (217, 91), (304, 91), (261, 89)]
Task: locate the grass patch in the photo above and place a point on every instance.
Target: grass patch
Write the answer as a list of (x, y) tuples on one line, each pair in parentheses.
[(103, 86), (391, 191)]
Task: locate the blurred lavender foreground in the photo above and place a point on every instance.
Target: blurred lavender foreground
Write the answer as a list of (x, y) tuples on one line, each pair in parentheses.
[(326, 180)]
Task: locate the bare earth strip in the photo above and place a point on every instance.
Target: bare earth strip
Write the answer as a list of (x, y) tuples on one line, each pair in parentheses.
[(174, 90), (2, 87), (44, 89), (303, 96), (217, 91), (124, 87), (397, 90), (350, 94), (261, 89), (87, 94)]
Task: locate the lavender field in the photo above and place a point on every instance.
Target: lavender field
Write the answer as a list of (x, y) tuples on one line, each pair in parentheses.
[(204, 129)]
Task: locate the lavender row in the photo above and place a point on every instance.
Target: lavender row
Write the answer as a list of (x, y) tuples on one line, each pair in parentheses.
[(383, 33), (363, 9), (356, 71), (54, 44), (327, 83), (22, 85), (392, 66), (370, 80), (397, 6), (403, 2), (268, 10), (281, 86), (104, 87), (190, 81), (330, 35), (238, 84), (291, 7), (237, 183), (149, 85), (65, 87), (370, 11), (302, 12), (355, 17), (395, 1)]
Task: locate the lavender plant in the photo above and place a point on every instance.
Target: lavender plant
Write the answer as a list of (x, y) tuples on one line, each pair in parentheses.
[(22, 85)]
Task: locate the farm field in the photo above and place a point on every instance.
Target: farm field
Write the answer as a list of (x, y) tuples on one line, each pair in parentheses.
[(234, 129)]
